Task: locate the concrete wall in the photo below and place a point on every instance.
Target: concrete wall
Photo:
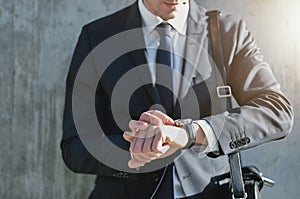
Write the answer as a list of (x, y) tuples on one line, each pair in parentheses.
[(36, 42)]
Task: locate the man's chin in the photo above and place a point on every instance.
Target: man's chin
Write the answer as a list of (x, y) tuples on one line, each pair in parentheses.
[(170, 15)]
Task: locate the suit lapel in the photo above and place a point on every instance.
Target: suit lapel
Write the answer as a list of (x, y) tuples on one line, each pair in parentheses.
[(134, 24), (196, 34)]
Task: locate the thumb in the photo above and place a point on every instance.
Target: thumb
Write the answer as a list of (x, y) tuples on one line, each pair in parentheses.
[(133, 163)]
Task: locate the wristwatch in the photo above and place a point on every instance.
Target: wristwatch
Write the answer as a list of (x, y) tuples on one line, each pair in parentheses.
[(186, 124)]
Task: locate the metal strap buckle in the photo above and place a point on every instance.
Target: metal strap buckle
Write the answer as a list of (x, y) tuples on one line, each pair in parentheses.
[(224, 91)]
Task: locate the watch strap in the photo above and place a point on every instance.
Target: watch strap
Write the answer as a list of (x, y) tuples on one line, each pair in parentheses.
[(186, 124)]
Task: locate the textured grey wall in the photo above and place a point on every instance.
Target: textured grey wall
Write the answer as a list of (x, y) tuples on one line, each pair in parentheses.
[(36, 42)]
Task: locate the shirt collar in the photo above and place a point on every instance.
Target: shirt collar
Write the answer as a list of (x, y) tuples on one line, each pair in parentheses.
[(179, 23)]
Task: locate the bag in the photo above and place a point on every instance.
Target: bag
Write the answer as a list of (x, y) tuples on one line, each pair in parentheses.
[(245, 182)]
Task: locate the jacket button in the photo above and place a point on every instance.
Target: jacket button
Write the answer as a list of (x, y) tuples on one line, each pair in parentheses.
[(233, 145), (240, 143), (122, 175), (155, 177), (247, 140)]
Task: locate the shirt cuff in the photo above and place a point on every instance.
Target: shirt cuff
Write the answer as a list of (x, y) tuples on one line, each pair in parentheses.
[(211, 138)]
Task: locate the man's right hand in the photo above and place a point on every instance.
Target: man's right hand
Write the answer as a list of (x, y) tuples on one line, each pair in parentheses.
[(153, 137)]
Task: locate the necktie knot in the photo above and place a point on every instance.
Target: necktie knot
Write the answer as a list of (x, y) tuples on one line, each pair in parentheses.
[(164, 29)]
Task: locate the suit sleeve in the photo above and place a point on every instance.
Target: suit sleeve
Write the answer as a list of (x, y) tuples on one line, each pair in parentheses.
[(264, 113), (74, 153)]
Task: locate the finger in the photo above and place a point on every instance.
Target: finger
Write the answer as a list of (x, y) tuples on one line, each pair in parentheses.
[(150, 135), (143, 158), (133, 163), (128, 136), (138, 133), (164, 148), (150, 118), (164, 117), (147, 146), (155, 155), (144, 140), (131, 148), (157, 142), (146, 157), (137, 145), (135, 125)]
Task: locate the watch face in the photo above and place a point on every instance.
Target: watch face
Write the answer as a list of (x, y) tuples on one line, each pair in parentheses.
[(178, 123), (182, 122)]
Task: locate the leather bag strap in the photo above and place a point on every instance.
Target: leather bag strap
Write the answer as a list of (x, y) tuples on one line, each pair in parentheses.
[(238, 189)]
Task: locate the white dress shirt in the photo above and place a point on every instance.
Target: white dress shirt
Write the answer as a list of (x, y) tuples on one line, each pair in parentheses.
[(152, 39), (178, 34)]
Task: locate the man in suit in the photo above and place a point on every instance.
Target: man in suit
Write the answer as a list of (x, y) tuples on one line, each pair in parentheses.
[(118, 54)]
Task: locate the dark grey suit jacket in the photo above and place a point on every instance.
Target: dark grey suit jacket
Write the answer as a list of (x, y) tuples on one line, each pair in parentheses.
[(264, 113)]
